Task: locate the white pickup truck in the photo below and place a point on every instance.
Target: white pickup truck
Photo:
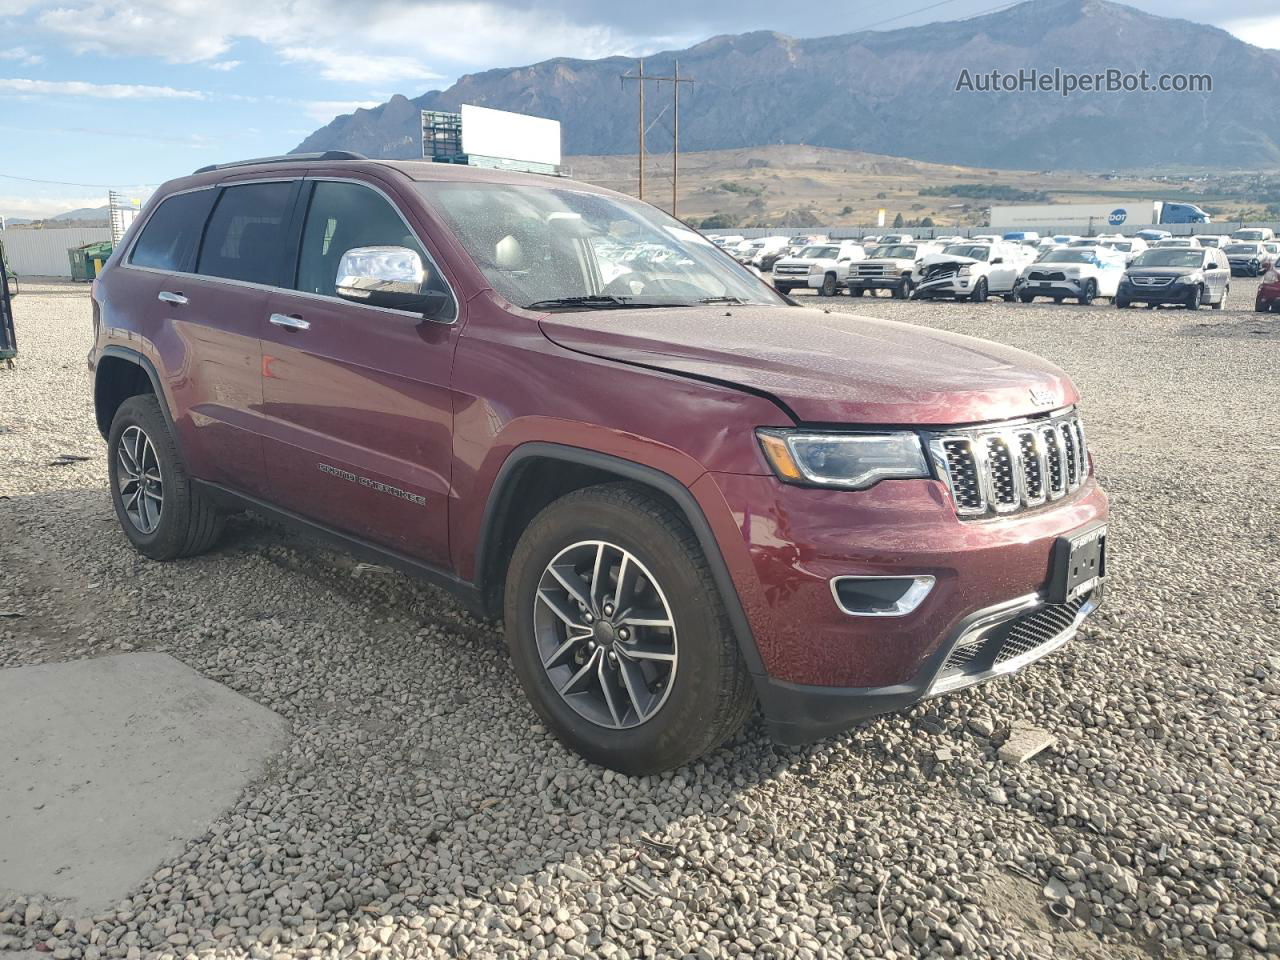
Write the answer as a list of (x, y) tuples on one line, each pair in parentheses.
[(890, 267), (821, 266), (971, 271)]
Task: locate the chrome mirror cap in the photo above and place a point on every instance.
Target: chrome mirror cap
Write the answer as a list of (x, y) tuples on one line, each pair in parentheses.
[(371, 273)]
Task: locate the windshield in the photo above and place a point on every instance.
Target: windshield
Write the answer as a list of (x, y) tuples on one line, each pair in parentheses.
[(1239, 248), (818, 253), (894, 251), (1170, 257), (1068, 255), (974, 251), (544, 246), (1248, 234)]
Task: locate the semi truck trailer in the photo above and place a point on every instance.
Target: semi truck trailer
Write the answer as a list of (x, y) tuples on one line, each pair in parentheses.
[(1098, 216)]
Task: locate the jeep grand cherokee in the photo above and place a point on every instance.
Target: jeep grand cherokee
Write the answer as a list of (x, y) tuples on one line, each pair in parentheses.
[(684, 495)]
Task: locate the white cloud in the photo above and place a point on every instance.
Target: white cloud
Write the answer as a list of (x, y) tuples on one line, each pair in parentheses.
[(21, 55), (103, 91), (47, 205), (224, 65), (361, 69), (1260, 31)]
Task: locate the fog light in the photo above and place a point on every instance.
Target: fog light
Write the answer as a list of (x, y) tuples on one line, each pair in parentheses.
[(880, 596)]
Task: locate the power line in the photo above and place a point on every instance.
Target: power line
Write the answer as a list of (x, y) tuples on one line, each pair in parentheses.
[(903, 16), (67, 183)]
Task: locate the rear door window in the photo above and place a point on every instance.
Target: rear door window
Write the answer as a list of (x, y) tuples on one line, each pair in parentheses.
[(248, 233), (171, 235)]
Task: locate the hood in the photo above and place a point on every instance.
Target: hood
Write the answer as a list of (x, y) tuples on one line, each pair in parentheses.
[(932, 258), (826, 367), (1066, 269), (1160, 271)]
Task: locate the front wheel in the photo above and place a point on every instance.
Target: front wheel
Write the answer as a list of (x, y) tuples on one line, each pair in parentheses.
[(161, 513), (905, 290), (1026, 297), (618, 632), (1121, 303), (979, 294), (829, 287), (1089, 293), (1193, 301)]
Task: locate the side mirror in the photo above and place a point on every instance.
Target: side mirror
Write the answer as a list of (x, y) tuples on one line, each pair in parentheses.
[(392, 277), (995, 260)]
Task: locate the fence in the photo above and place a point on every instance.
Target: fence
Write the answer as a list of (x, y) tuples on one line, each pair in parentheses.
[(1045, 230), (43, 253)]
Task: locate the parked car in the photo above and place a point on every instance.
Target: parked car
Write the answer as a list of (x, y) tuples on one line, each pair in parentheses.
[(1212, 240), (1151, 235), (1185, 276), (1065, 239), (970, 271), (1029, 237), (1192, 242), (1256, 234), (1268, 298), (870, 242), (897, 238), (1131, 247), (1248, 259), (890, 266), (799, 242), (987, 238), (728, 242), (1273, 250), (1081, 273), (437, 376), (823, 267)]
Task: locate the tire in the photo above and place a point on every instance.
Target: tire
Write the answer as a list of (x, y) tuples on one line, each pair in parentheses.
[(1058, 300), (1121, 303), (1194, 301), (1026, 297), (979, 294), (857, 291), (1008, 297), (829, 287), (1089, 294), (183, 522), (708, 696), (905, 289)]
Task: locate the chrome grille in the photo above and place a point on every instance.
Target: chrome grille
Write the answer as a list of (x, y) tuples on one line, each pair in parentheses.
[(1013, 639), (1046, 275), (1005, 468), (1140, 281)]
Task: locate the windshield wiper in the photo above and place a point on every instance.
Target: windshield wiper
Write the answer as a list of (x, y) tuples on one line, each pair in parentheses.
[(597, 302), (722, 300)]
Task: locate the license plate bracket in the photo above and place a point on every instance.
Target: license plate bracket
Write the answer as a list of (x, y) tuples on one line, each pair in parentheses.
[(1079, 564)]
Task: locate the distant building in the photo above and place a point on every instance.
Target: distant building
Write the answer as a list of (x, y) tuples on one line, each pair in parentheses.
[(494, 139)]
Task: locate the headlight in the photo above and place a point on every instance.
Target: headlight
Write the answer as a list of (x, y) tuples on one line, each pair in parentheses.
[(1189, 278), (814, 269), (854, 461), (963, 272)]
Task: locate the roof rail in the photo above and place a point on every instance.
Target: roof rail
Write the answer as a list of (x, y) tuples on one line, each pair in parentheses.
[(286, 158)]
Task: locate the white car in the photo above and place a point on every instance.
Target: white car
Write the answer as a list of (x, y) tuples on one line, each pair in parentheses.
[(822, 266), (1217, 241), (727, 242), (1178, 242), (971, 271), (1082, 273), (1256, 234), (988, 238), (897, 238), (1131, 247), (890, 266)]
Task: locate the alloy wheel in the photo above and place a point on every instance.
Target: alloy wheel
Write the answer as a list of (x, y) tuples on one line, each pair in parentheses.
[(605, 634), (140, 480)]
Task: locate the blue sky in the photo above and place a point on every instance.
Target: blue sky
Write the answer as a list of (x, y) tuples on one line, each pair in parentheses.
[(130, 94)]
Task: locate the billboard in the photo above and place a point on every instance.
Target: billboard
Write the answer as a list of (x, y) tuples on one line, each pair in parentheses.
[(510, 136)]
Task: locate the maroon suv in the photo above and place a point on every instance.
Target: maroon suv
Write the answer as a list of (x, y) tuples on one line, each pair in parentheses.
[(685, 494)]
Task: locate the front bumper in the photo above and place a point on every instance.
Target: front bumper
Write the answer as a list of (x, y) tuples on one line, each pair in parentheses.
[(1171, 293), (1268, 296), (821, 669), (990, 643), (949, 286), (874, 283), (1069, 287)]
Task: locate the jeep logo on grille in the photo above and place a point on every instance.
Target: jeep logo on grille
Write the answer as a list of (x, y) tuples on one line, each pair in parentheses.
[(1042, 397)]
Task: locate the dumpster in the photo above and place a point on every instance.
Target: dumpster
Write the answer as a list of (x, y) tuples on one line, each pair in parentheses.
[(87, 261), (8, 339)]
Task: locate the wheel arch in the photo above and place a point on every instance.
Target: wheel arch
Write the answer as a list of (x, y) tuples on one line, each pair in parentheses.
[(121, 373), (537, 473)]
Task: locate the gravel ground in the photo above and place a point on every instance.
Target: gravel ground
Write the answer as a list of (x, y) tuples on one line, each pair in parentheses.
[(421, 809)]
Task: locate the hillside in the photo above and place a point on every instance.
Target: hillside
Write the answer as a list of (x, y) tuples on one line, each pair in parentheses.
[(893, 92)]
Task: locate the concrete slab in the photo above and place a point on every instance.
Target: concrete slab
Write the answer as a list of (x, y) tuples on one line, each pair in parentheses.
[(108, 766)]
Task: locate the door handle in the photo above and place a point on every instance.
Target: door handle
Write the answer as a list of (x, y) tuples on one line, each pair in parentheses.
[(166, 297), (290, 323)]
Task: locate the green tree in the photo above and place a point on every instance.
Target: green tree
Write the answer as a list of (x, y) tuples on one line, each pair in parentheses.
[(897, 221)]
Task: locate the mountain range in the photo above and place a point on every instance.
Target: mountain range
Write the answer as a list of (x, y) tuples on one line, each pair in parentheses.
[(895, 92)]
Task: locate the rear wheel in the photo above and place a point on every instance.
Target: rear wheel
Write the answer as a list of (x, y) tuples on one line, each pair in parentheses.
[(618, 633), (1089, 293), (161, 513)]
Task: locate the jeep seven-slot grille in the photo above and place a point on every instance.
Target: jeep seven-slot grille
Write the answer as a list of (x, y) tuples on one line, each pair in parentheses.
[(1005, 468)]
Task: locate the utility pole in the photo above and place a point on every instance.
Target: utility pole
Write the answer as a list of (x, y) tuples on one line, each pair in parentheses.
[(675, 80)]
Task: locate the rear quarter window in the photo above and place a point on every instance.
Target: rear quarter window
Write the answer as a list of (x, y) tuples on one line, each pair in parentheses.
[(169, 239)]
